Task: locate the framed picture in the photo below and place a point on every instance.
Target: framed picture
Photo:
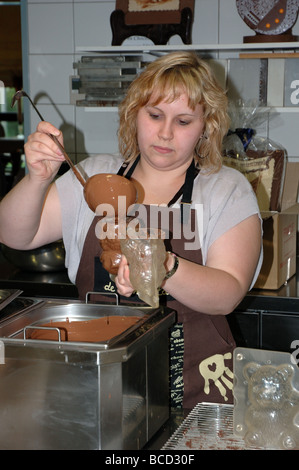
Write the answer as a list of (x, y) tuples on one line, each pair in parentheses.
[(157, 20)]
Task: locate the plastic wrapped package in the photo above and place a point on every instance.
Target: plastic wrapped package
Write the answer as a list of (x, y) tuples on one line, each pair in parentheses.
[(144, 250), (146, 256), (260, 159)]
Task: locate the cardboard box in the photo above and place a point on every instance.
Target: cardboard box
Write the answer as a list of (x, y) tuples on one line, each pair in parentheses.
[(279, 242), (280, 235)]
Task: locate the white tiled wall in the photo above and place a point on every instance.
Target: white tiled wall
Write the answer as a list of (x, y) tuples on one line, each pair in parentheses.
[(56, 28)]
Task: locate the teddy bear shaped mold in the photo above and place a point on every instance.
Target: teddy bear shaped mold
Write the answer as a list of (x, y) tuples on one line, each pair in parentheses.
[(266, 399), (271, 416)]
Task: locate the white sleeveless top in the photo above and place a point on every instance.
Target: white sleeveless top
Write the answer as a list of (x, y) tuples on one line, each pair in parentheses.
[(224, 199)]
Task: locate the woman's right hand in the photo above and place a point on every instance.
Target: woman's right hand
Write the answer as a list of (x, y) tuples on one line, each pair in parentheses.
[(122, 279), (43, 157)]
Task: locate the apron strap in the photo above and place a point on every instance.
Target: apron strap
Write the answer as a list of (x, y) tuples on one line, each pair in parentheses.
[(186, 190), (131, 169)]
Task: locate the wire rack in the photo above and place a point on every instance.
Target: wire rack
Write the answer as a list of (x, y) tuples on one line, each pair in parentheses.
[(208, 426)]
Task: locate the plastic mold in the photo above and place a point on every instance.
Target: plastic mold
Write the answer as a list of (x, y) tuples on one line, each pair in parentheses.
[(266, 393)]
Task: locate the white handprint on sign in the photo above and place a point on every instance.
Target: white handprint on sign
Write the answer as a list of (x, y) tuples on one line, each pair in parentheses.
[(213, 368)]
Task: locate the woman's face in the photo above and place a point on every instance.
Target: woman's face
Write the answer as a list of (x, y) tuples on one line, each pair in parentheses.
[(167, 132)]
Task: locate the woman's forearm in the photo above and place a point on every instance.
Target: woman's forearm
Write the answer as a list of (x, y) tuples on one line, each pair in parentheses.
[(204, 289), (219, 286)]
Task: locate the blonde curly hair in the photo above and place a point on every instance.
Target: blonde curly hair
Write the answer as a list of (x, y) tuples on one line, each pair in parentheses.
[(168, 77)]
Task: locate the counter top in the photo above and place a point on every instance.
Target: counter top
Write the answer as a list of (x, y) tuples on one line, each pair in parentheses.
[(285, 298), (57, 284), (36, 284)]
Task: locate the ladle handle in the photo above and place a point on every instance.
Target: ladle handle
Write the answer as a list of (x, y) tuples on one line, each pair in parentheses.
[(69, 161), (17, 97)]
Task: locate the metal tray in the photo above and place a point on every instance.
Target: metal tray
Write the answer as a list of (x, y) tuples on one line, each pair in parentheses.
[(17, 327), (7, 295), (208, 426)]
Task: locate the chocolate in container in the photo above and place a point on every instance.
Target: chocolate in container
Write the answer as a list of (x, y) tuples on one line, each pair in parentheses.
[(83, 395)]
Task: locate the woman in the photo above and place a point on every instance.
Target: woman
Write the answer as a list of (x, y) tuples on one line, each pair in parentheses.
[(172, 123)]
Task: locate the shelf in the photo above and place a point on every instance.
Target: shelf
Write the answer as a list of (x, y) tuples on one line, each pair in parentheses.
[(271, 109), (151, 48), (260, 49), (99, 109)]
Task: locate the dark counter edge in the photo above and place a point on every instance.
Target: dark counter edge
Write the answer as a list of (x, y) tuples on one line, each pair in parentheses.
[(35, 283), (52, 288)]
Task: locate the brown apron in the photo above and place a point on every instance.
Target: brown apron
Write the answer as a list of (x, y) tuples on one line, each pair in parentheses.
[(200, 344)]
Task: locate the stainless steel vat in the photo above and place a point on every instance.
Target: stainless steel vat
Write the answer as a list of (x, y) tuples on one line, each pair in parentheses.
[(63, 395)]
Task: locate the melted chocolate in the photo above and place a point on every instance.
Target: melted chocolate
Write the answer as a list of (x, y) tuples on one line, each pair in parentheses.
[(106, 188), (92, 331)]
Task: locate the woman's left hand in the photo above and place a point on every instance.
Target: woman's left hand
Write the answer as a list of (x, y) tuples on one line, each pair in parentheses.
[(122, 279)]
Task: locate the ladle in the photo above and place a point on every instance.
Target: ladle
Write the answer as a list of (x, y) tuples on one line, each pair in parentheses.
[(100, 188), (17, 97)]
